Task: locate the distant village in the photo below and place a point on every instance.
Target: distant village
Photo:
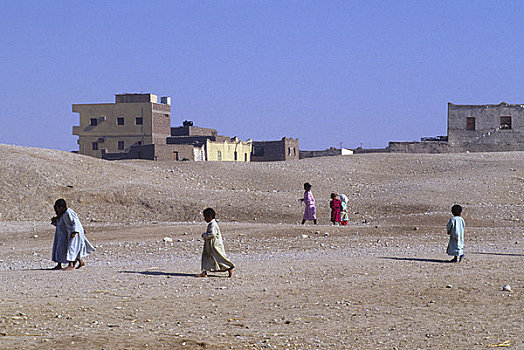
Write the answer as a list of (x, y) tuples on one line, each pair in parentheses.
[(138, 126)]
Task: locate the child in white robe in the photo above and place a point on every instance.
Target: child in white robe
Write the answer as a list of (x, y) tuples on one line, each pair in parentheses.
[(214, 256), (455, 228)]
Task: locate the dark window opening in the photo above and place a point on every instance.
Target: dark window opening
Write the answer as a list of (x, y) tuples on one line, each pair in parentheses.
[(139, 121), (120, 145), (505, 122), (470, 123), (245, 157), (120, 121), (94, 146), (219, 155), (236, 156), (175, 155), (94, 122)]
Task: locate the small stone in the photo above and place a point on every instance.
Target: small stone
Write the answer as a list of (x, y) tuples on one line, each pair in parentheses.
[(415, 228), (326, 234), (35, 236), (317, 232), (168, 239), (305, 236), (449, 286), (506, 288)]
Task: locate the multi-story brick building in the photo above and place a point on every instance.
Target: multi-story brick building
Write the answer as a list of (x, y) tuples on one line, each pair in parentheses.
[(133, 120), (474, 128), (486, 127)]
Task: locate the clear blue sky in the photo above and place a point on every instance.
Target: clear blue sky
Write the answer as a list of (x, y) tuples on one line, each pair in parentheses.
[(323, 71)]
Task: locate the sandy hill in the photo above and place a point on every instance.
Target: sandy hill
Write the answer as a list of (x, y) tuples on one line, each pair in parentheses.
[(381, 187)]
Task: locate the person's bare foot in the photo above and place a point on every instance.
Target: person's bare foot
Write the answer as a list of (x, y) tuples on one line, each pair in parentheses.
[(80, 263), (231, 272), (57, 267), (69, 268), (203, 274)]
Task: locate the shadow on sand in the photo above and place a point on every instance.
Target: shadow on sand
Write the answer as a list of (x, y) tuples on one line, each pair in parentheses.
[(174, 274), (417, 259), (501, 254)]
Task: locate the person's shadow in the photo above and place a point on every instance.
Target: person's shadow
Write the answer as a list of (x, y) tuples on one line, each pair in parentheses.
[(161, 273), (442, 261)]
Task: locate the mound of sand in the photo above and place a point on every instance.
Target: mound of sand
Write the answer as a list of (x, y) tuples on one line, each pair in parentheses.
[(381, 187)]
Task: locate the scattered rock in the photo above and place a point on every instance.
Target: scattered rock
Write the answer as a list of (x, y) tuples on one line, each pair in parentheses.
[(449, 286), (168, 239), (506, 288)]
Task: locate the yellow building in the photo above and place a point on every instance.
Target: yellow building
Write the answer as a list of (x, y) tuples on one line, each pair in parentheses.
[(133, 120), (228, 149)]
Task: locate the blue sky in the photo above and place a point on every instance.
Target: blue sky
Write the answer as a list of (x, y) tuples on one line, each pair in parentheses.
[(324, 71)]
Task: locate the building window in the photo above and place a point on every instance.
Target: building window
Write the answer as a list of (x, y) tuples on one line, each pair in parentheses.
[(505, 122), (120, 145), (139, 121), (94, 146), (120, 121), (219, 155), (175, 155), (470, 123), (245, 157), (236, 156), (94, 122)]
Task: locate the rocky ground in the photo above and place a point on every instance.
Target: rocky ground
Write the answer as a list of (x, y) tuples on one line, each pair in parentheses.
[(381, 283)]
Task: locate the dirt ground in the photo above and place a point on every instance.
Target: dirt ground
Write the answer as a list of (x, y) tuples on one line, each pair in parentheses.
[(381, 283)]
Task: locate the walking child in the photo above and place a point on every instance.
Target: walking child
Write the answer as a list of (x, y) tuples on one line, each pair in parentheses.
[(335, 206), (455, 229), (214, 256), (310, 212), (344, 217), (70, 244)]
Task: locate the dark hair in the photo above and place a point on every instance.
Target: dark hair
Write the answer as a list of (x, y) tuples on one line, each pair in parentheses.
[(333, 195), (60, 203), (456, 210), (209, 212), (307, 185)]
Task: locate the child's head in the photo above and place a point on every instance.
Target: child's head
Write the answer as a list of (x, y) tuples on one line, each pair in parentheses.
[(307, 186), (209, 214), (456, 210), (333, 195)]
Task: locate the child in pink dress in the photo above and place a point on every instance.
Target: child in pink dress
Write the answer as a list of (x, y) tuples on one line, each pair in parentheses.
[(310, 212)]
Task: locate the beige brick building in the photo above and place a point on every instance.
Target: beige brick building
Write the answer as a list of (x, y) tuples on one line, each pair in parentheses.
[(133, 120)]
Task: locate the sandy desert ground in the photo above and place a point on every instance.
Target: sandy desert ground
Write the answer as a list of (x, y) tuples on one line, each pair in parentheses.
[(381, 283)]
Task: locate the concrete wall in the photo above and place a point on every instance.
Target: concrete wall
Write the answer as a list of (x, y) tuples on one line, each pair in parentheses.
[(225, 150), (418, 147), (159, 152), (489, 134), (189, 139), (324, 153), (282, 150), (193, 131)]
